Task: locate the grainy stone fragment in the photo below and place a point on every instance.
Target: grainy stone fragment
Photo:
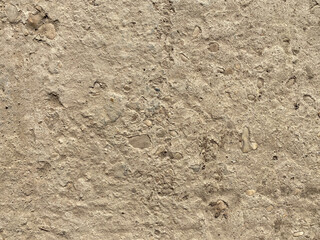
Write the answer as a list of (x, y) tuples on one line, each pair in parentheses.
[(247, 145), (245, 141), (148, 123), (175, 134), (291, 81), (298, 234), (221, 205), (213, 47), (141, 141), (196, 32), (113, 113), (251, 97), (270, 208), (250, 192), (260, 83), (196, 167), (254, 145), (316, 10), (161, 133), (25, 32), (177, 155), (309, 72), (48, 30), (228, 71), (12, 13), (35, 20)]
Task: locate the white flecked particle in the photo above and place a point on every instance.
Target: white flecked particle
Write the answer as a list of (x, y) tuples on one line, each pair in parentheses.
[(298, 234)]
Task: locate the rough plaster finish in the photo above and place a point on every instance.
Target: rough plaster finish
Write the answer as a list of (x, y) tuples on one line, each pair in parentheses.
[(160, 119)]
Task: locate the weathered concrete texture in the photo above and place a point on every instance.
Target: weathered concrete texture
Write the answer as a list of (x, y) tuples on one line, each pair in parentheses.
[(160, 119)]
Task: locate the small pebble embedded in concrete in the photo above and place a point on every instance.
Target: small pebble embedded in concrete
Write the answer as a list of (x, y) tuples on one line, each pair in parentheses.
[(250, 192), (298, 234)]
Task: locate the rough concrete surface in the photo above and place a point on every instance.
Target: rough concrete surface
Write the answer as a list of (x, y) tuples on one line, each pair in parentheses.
[(160, 119)]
